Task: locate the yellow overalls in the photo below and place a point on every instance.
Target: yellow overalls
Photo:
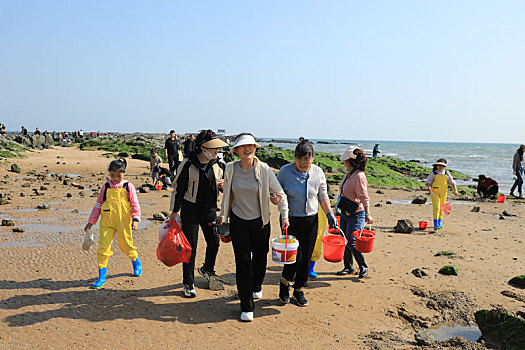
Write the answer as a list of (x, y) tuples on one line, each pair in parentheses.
[(439, 197), (115, 219), (321, 228)]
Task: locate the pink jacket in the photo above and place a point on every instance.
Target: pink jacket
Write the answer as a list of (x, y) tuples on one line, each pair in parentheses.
[(132, 198), (355, 188)]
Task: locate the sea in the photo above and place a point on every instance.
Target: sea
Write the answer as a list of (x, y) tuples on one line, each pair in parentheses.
[(490, 159)]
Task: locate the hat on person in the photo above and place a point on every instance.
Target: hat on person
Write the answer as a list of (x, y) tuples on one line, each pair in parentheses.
[(245, 139), (349, 154), (440, 161), (214, 143)]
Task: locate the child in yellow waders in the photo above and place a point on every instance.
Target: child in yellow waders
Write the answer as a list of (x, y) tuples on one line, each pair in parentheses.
[(119, 208), (437, 184), (318, 248)]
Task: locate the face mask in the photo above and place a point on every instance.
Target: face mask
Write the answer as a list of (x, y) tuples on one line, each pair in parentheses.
[(208, 155)]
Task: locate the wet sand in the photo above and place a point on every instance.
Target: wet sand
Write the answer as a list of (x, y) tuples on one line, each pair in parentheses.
[(46, 302)]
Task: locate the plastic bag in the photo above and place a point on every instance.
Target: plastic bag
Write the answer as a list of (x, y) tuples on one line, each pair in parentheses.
[(174, 248), (165, 226), (89, 239)]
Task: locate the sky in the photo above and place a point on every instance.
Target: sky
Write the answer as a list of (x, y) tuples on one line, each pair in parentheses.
[(373, 70)]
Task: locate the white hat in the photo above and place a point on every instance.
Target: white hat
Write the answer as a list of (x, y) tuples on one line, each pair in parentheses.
[(245, 139), (349, 154)]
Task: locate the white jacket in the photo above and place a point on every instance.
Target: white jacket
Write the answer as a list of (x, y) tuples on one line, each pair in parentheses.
[(267, 182)]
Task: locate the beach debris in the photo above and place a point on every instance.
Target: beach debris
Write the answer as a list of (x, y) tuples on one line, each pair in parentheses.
[(502, 328), (419, 200), (7, 222), (380, 192), (506, 213), (476, 209), (159, 216), (69, 195), (419, 273), (449, 270), (424, 339), (404, 226), (18, 229), (449, 253), (518, 281), (15, 168)]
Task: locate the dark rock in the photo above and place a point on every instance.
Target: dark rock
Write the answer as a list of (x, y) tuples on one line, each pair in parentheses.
[(43, 206), (69, 195), (506, 213), (15, 168), (81, 194), (27, 184), (74, 184), (388, 202), (449, 253), (65, 182), (18, 229), (22, 194), (518, 281), (165, 213), (380, 192), (424, 339), (7, 223), (123, 154), (143, 189), (476, 209), (419, 273), (165, 195), (379, 205), (501, 328), (419, 200), (404, 226), (145, 157), (501, 217), (75, 211), (43, 188), (3, 201), (449, 270), (159, 216)]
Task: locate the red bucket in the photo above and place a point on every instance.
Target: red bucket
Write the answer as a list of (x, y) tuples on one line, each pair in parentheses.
[(158, 187), (334, 248), (501, 198), (364, 240), (423, 225), (332, 230)]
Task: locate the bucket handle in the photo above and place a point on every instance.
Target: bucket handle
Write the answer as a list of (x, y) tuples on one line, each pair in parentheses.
[(285, 231), (364, 225)]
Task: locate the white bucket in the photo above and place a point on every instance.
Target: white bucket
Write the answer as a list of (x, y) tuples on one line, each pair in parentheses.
[(284, 253)]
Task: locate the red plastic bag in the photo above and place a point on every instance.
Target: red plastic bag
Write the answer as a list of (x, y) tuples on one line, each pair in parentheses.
[(446, 208), (174, 248)]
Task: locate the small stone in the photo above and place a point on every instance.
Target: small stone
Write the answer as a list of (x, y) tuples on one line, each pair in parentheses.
[(22, 194), (476, 209), (43, 206), (143, 189), (65, 182), (501, 217), (404, 226), (518, 281), (27, 184), (69, 195), (43, 188), (81, 194), (165, 213), (15, 168), (419, 273), (159, 216), (506, 213), (18, 229), (449, 270), (378, 205), (388, 202), (7, 223), (419, 200), (75, 211), (380, 192)]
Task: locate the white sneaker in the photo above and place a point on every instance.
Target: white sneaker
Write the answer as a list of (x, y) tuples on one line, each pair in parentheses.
[(189, 291), (257, 295), (247, 316)]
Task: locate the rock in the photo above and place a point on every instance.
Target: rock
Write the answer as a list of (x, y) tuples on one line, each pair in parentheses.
[(388, 202), (43, 206), (215, 283), (3, 201), (501, 328), (165, 195), (419, 273), (18, 229), (143, 189), (404, 226), (506, 213), (449, 253), (75, 211), (43, 188), (424, 339), (15, 168), (7, 222), (74, 184), (81, 194), (159, 216), (165, 213), (69, 195), (65, 182), (449, 270), (380, 192), (123, 154), (476, 209), (518, 281), (22, 194), (419, 200), (27, 184), (378, 205), (501, 217)]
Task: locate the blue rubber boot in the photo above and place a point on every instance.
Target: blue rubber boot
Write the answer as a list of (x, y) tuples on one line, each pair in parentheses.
[(439, 224), (312, 272), (436, 224), (101, 278), (137, 267)]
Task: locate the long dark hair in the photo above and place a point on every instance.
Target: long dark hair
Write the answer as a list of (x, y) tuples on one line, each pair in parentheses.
[(520, 152), (359, 163)]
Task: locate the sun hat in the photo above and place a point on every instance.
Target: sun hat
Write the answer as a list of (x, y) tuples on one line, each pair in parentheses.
[(214, 143), (440, 161), (245, 139), (349, 154)]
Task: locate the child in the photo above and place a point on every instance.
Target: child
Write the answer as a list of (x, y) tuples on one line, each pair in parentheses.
[(437, 184), (154, 161), (163, 175), (120, 210)]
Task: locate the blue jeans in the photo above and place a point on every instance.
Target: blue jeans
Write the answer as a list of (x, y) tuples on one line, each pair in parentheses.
[(519, 181), (349, 224)]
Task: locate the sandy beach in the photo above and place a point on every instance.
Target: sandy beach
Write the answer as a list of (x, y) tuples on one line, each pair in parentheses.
[(45, 301)]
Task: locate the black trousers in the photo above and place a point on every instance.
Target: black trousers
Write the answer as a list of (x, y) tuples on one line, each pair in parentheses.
[(490, 192), (250, 240), (305, 230), (191, 220), (173, 161)]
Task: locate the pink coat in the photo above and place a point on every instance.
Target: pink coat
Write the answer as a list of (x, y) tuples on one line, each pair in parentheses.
[(132, 198), (355, 188)]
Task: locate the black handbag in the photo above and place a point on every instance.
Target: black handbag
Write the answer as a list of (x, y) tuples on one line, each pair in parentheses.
[(347, 205)]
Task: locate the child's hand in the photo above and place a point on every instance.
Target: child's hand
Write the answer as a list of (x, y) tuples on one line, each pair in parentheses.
[(88, 226), (456, 193), (135, 225)]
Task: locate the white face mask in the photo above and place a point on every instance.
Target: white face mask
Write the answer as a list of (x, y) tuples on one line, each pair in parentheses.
[(208, 155)]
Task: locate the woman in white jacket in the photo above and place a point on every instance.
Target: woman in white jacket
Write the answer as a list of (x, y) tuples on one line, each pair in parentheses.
[(249, 186)]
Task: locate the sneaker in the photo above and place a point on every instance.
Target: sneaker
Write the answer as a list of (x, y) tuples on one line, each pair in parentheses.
[(189, 291), (203, 272), (257, 295), (247, 316), (299, 298), (520, 196), (284, 293), (363, 272), (344, 271)]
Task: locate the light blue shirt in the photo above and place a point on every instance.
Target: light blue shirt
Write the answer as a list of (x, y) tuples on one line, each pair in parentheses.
[(303, 190)]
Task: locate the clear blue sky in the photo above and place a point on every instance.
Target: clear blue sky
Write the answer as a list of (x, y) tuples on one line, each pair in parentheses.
[(385, 70)]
